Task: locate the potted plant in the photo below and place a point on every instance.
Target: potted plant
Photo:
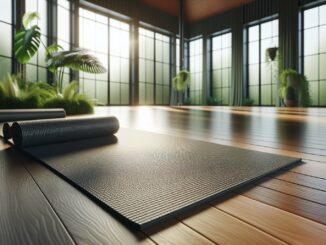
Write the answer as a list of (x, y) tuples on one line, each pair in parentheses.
[(294, 89), (26, 44), (180, 84), (271, 53)]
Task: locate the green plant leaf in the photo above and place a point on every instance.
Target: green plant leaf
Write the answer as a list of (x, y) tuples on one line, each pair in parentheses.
[(10, 86), (29, 17), (53, 48), (78, 60), (26, 44), (69, 91), (181, 80)]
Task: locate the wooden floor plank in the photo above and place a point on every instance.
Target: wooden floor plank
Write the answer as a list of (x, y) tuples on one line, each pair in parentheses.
[(284, 225), (294, 190), (301, 179), (26, 217), (314, 169), (225, 229), (301, 207), (176, 233)]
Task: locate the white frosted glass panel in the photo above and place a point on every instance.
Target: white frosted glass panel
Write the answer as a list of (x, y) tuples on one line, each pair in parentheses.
[(311, 67), (311, 18), (254, 94), (89, 88), (217, 42), (322, 93), (114, 69), (253, 74), (266, 73), (102, 92), (313, 90), (149, 71), (149, 48), (114, 93), (5, 64), (311, 41), (322, 39), (142, 70), (142, 94), (322, 15), (254, 53), (124, 70), (101, 39), (124, 94), (5, 11), (63, 24), (253, 33), (266, 30), (6, 40), (266, 92), (322, 66)]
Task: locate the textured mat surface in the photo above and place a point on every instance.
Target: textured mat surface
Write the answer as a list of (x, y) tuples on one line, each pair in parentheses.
[(145, 177)]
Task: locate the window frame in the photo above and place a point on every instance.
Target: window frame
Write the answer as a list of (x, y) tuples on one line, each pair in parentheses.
[(246, 54), (211, 69), (171, 63)]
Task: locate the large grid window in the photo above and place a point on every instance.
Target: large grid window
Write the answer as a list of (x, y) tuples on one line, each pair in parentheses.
[(261, 73), (314, 52), (196, 71), (6, 37), (94, 36), (64, 31), (221, 67), (36, 68), (154, 68), (119, 62)]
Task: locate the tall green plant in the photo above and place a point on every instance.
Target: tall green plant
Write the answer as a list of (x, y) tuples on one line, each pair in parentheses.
[(27, 42), (291, 80)]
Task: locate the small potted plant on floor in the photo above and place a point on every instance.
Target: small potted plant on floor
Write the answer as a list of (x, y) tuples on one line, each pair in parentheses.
[(180, 84), (294, 89)]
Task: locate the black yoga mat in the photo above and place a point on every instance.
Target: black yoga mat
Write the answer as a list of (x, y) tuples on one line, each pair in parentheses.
[(144, 177), (30, 114), (41, 132)]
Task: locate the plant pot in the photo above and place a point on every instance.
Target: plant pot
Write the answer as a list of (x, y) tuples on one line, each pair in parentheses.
[(290, 103), (271, 52)]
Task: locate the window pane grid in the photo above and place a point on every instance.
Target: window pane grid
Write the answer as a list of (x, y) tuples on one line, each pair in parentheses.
[(93, 36), (196, 71), (221, 67), (262, 74), (154, 68)]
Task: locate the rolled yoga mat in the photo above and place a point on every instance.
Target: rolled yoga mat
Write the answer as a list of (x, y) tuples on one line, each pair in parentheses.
[(41, 132), (30, 114), (6, 131)]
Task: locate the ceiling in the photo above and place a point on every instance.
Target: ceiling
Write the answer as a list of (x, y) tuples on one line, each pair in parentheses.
[(196, 9)]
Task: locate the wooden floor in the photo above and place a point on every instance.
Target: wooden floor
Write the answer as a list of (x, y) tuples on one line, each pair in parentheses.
[(38, 207)]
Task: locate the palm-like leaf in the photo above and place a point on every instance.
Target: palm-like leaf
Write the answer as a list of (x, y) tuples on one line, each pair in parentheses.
[(53, 48), (29, 17), (27, 42), (78, 60)]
